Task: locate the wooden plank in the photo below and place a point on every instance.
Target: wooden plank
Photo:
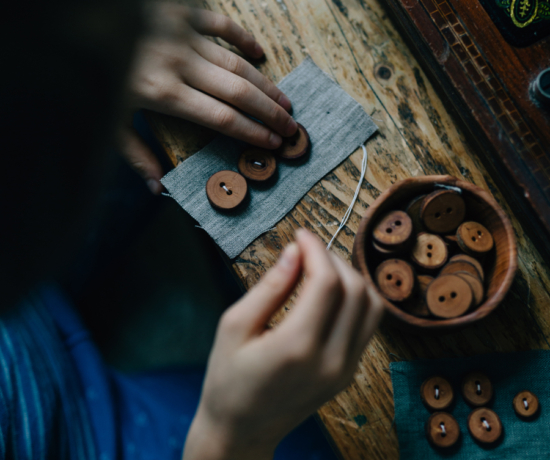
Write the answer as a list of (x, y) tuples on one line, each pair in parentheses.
[(487, 80), (351, 40)]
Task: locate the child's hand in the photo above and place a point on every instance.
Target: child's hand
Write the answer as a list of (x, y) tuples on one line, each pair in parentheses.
[(181, 73), (261, 383)]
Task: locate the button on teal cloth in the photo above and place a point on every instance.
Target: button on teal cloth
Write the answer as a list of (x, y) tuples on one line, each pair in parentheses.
[(337, 125), (509, 372)]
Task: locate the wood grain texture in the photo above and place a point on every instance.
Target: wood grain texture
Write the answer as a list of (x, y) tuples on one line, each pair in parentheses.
[(488, 82), (353, 40)]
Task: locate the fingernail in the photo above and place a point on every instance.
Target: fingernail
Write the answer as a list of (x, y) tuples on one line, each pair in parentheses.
[(291, 127), (275, 140), (285, 103), (258, 50), (289, 257), (155, 186)]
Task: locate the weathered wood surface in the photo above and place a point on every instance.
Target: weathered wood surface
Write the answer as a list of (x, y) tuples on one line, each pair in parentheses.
[(356, 44)]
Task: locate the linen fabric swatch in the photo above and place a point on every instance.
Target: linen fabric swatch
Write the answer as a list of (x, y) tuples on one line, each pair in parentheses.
[(509, 373), (337, 126)]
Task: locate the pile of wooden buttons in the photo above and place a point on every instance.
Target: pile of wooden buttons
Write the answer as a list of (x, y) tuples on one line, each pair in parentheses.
[(227, 189), (484, 425), (433, 259)]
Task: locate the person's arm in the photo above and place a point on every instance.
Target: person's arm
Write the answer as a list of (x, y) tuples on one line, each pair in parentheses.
[(179, 72), (261, 383)]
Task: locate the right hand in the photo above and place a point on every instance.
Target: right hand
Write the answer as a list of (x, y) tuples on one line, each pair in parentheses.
[(261, 383)]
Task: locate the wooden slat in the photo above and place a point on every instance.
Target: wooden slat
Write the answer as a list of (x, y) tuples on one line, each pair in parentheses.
[(350, 39)]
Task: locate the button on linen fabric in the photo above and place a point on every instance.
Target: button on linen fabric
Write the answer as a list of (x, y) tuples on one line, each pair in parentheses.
[(337, 125), (509, 373)]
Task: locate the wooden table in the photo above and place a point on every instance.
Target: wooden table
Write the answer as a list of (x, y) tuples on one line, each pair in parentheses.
[(356, 43)]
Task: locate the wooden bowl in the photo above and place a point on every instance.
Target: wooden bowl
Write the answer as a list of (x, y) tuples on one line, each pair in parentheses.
[(501, 263)]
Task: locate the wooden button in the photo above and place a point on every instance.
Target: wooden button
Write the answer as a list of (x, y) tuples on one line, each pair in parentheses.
[(471, 260), (383, 251), (413, 210), (226, 190), (442, 211), (429, 251), (295, 146), (418, 306), (477, 389), (474, 238), (442, 429), (484, 425), (393, 230), (395, 279), (437, 393), (526, 404), (448, 296), (460, 266), (257, 164), (475, 284)]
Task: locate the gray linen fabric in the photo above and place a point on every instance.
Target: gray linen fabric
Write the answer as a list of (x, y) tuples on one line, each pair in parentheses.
[(337, 125)]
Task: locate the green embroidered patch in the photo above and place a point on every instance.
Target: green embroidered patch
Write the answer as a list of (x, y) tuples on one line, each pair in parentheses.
[(521, 22)]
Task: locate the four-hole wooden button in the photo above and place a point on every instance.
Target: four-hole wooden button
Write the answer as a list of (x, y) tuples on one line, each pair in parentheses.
[(436, 393), (257, 164), (393, 230), (295, 146), (526, 404), (442, 429), (474, 238), (429, 251), (442, 211), (448, 296), (484, 425), (477, 389), (226, 190), (395, 279)]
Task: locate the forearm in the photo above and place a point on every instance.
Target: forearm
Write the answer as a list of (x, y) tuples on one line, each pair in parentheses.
[(207, 442)]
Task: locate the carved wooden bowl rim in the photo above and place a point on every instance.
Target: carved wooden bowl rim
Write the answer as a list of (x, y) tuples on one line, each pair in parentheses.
[(505, 252)]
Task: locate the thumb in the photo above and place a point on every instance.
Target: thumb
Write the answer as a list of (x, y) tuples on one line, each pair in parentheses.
[(141, 158), (264, 299)]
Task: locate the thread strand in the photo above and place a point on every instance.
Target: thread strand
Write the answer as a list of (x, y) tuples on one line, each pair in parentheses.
[(357, 190)]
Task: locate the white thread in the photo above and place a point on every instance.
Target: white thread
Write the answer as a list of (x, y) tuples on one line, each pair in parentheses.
[(258, 163), (486, 424), (357, 190), (166, 194), (225, 188), (525, 403), (436, 392), (478, 390), (443, 431), (198, 226), (449, 187)]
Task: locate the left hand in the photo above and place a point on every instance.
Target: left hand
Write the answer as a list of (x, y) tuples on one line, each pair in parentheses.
[(179, 72)]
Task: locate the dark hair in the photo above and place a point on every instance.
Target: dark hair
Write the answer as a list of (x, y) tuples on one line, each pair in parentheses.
[(64, 65)]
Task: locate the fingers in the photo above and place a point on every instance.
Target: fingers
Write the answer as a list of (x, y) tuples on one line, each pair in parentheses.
[(141, 159), (242, 94), (264, 299), (322, 293), (235, 64), (217, 25), (345, 333), (375, 311), (188, 103)]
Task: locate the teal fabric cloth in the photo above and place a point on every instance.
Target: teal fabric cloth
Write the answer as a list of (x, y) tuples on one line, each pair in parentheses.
[(510, 373)]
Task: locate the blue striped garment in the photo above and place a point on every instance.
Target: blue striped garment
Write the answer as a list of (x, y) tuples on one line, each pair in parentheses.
[(43, 413), (58, 400)]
